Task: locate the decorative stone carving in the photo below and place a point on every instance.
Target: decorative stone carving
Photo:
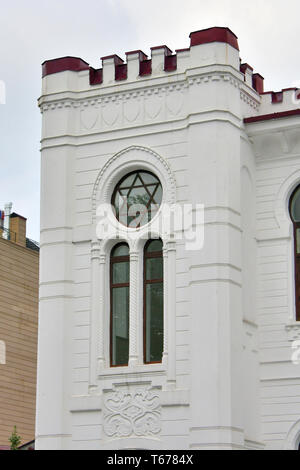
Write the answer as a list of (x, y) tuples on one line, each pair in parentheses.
[(293, 330), (129, 413)]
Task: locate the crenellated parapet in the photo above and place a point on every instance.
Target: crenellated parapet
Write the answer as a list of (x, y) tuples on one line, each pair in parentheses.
[(212, 53), (276, 105), (137, 62)]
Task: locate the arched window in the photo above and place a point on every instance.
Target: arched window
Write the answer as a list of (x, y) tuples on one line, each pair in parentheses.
[(153, 301), (119, 305), (295, 216)]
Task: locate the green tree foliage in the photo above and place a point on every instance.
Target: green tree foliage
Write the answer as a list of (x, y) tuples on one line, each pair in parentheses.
[(15, 439)]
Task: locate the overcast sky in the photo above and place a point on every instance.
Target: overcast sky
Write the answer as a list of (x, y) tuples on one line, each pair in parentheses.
[(34, 30)]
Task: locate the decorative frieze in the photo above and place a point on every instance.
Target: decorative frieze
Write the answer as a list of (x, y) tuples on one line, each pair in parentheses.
[(131, 413)]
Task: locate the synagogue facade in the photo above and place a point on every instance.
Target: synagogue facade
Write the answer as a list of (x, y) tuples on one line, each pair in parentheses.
[(170, 253)]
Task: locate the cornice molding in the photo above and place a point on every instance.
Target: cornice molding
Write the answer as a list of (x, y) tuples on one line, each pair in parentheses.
[(52, 102)]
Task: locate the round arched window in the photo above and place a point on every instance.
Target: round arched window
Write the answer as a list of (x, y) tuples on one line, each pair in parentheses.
[(295, 205), (137, 198)]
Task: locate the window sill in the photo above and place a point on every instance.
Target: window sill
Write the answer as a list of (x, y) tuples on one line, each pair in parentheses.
[(146, 369)]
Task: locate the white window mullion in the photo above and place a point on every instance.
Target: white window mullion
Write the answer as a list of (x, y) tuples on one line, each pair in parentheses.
[(133, 309)]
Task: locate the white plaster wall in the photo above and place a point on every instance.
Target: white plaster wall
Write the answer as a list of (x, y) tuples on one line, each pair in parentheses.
[(276, 147)]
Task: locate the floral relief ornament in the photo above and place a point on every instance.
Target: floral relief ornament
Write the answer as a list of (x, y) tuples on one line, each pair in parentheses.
[(131, 413)]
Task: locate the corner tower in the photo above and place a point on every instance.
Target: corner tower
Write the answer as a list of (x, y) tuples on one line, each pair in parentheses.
[(179, 119)]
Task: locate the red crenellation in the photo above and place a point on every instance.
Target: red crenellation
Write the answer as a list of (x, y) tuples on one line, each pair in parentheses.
[(74, 64), (96, 76), (277, 96), (244, 67), (258, 83), (215, 34)]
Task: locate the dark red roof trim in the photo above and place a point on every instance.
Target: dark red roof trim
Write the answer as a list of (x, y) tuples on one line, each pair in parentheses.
[(96, 76), (166, 48), (145, 67), (258, 83), (215, 34), (74, 64), (142, 55), (183, 50), (121, 72), (267, 117), (277, 97), (244, 67), (117, 59), (170, 63)]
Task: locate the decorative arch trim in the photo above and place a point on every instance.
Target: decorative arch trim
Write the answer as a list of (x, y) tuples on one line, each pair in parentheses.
[(293, 437), (130, 159), (281, 208)]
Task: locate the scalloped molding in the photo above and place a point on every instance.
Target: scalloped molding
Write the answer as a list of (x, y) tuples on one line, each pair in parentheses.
[(165, 89)]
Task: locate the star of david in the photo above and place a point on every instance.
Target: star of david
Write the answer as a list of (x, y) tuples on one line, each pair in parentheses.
[(136, 198)]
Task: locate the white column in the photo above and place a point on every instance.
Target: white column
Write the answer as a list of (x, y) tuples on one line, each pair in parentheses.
[(102, 312), (171, 305), (133, 310), (166, 290), (94, 317)]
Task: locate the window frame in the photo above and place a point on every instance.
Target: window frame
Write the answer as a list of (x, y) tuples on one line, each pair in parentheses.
[(152, 197), (296, 256), (112, 261), (155, 254)]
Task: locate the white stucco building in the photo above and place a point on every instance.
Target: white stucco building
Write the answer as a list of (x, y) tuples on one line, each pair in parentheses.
[(168, 345)]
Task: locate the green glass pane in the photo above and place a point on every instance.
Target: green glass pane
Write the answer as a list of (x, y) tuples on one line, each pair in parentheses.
[(295, 207), (148, 178), (154, 322), (138, 196), (154, 245), (121, 250), (120, 326), (154, 268), (124, 192), (158, 195), (298, 241), (128, 181), (120, 272)]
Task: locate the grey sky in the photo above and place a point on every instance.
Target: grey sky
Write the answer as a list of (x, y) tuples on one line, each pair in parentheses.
[(34, 30)]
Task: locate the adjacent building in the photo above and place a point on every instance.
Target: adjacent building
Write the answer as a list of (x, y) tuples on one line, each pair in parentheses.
[(156, 334), (19, 273)]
